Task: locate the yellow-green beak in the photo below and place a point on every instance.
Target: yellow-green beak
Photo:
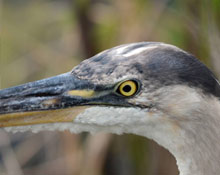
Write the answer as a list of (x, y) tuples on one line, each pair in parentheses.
[(57, 99)]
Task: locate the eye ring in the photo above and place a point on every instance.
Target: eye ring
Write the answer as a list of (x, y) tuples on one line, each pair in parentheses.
[(128, 88)]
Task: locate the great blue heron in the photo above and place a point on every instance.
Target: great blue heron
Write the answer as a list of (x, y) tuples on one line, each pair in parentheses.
[(150, 89)]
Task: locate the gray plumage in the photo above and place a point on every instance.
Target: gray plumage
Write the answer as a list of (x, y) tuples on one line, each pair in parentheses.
[(162, 66)]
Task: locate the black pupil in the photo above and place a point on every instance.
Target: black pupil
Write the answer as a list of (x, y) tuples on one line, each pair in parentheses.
[(127, 88)]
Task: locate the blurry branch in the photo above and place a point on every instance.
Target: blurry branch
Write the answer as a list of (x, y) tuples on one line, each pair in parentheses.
[(1, 18), (30, 146), (136, 25), (86, 27), (162, 161), (95, 154), (48, 167), (9, 158), (73, 152), (159, 10), (214, 44), (88, 158)]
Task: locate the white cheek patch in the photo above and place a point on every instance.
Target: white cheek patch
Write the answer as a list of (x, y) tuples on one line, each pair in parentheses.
[(108, 116)]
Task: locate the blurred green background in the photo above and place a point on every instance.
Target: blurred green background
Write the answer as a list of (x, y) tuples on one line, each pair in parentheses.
[(42, 38)]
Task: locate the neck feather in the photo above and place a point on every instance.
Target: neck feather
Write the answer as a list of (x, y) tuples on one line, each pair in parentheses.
[(194, 142)]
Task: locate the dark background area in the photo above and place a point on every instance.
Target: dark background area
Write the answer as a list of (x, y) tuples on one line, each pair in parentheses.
[(42, 38)]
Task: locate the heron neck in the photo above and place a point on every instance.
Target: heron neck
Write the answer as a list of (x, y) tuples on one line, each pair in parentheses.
[(194, 141), (198, 151)]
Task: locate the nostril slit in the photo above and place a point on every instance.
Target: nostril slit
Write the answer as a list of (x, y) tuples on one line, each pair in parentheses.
[(42, 94)]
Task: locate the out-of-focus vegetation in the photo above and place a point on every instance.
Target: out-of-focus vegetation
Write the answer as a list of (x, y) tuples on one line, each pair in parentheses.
[(48, 37)]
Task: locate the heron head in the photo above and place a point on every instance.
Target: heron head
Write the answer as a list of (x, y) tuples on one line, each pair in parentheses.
[(129, 88), (150, 89)]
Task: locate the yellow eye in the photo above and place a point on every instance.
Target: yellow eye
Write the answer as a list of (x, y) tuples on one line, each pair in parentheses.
[(127, 88)]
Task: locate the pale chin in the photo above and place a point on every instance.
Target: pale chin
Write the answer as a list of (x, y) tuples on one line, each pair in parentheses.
[(94, 119)]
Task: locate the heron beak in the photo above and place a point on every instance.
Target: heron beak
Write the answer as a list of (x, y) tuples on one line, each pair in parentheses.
[(57, 99)]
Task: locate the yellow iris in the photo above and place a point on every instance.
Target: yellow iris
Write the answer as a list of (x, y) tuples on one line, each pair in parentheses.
[(128, 88)]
